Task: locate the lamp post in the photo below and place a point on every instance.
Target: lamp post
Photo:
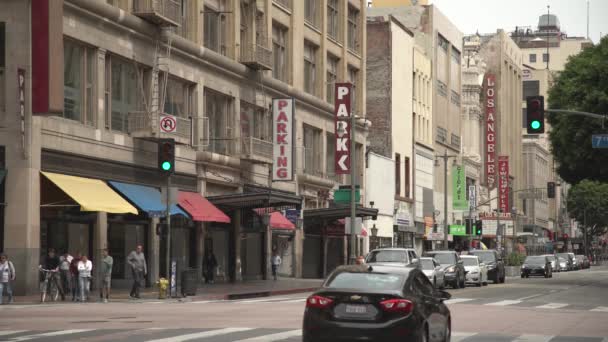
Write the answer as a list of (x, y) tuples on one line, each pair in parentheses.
[(445, 158), (375, 236)]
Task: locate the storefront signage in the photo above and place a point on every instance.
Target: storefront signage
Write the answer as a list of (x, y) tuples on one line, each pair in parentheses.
[(435, 237), (402, 219), (342, 127), (459, 186), (490, 164), (282, 157), (458, 230), (490, 228), (503, 184)]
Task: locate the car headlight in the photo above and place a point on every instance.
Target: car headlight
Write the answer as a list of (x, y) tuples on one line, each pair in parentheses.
[(450, 269), (523, 266), (491, 266)]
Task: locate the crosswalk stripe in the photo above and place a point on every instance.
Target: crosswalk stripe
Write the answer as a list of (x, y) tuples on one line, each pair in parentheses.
[(203, 334), (600, 309), (458, 300), (11, 332), (50, 334), (552, 306), (274, 337), (533, 338), (459, 336), (505, 302)]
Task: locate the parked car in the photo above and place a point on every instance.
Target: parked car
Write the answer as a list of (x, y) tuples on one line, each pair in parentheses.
[(403, 256), (583, 261), (377, 303), (477, 272), (575, 264), (554, 265), (433, 270), (536, 265), (568, 259), (452, 267), (494, 262), (563, 264)]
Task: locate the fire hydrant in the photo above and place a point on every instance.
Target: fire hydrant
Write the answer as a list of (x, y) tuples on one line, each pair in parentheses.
[(162, 284)]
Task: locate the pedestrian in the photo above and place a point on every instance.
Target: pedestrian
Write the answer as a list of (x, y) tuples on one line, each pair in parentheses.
[(65, 274), (360, 260), (137, 260), (106, 275), (209, 265), (7, 274), (51, 263), (74, 274), (276, 262), (85, 266)]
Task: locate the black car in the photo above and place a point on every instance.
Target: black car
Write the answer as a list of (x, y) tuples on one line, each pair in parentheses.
[(452, 267), (496, 267), (536, 265), (377, 303), (569, 260)]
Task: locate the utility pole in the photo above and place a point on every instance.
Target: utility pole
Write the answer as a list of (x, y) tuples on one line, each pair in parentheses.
[(353, 172), (168, 246), (445, 158)]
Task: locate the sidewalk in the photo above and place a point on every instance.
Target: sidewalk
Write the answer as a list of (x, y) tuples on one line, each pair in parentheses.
[(217, 291)]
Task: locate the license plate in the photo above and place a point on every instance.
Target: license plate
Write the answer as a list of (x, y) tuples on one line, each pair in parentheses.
[(356, 309)]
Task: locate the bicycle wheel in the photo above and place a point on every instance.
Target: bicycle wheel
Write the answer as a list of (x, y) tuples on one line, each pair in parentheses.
[(54, 291), (43, 291)]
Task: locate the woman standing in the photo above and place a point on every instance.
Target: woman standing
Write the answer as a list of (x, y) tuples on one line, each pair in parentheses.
[(85, 266)]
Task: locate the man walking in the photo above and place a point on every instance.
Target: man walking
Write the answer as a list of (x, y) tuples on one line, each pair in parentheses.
[(137, 260), (276, 262), (106, 275), (74, 276), (7, 274)]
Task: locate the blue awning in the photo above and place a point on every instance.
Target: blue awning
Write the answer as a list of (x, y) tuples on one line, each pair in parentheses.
[(145, 198)]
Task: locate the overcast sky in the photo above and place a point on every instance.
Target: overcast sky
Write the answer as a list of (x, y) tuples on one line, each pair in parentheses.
[(489, 15)]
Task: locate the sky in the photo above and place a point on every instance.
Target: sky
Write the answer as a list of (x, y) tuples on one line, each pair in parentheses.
[(486, 16)]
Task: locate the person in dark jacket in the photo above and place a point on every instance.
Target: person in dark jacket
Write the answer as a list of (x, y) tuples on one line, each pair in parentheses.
[(209, 265)]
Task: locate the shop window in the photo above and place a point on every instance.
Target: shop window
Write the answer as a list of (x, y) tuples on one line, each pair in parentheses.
[(123, 238), (79, 82)]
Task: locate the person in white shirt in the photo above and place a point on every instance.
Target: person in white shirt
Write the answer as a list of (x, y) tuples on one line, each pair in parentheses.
[(64, 271), (85, 266), (276, 262)]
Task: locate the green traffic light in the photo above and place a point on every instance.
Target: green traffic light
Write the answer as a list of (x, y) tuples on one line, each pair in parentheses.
[(535, 124), (166, 166)]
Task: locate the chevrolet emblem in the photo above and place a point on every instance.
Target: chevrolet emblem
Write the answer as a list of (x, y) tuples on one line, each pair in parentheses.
[(355, 297)]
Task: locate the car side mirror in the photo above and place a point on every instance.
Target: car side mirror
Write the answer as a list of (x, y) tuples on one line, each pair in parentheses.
[(443, 295), (414, 260)]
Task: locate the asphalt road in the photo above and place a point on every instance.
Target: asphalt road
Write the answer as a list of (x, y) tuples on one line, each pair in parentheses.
[(570, 307)]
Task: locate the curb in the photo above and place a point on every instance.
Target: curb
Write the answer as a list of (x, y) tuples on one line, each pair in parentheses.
[(267, 293)]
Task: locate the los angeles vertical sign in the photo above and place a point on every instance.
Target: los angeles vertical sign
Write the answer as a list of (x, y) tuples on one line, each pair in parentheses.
[(342, 121)]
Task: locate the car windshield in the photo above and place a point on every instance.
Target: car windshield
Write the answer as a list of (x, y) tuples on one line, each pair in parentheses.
[(535, 260), (469, 261), (564, 255), (387, 256), (366, 281), (551, 257), (427, 264), (445, 258), (486, 257)]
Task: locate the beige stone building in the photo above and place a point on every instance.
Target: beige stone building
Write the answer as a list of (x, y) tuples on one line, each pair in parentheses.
[(212, 68)]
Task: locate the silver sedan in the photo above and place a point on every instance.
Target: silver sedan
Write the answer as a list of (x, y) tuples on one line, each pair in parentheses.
[(433, 270)]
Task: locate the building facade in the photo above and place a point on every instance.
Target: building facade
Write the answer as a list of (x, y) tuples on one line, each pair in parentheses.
[(212, 68)]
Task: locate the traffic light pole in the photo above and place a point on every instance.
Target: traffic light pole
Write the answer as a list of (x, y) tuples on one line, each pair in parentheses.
[(168, 246)]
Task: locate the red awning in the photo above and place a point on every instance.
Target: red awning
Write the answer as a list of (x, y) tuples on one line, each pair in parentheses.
[(200, 208), (277, 220), (363, 230)]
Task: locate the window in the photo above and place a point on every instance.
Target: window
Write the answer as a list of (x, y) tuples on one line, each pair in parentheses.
[(310, 67), (353, 75), (214, 37), (124, 86), (218, 110), (353, 29), (455, 56), (531, 88), (284, 3), (333, 19), (397, 174), (545, 58), (312, 150), (443, 43), (330, 168), (442, 135), (178, 98), (279, 51), (407, 175), (366, 281), (532, 58), (79, 82), (255, 122), (332, 77), (311, 9)]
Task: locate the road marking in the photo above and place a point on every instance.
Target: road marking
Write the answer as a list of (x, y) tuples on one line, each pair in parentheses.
[(458, 300), (505, 302), (50, 334), (600, 309), (533, 338), (552, 306), (459, 336), (203, 334), (11, 332), (207, 301), (274, 337), (530, 297), (299, 300)]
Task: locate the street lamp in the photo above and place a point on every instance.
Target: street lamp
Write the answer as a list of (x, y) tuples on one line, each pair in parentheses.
[(445, 158)]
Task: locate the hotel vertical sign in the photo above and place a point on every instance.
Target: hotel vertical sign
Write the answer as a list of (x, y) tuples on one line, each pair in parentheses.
[(342, 121), (490, 99), (282, 156), (503, 184)]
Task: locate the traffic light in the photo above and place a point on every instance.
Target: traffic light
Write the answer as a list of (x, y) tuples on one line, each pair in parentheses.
[(166, 156), (535, 114), (550, 189), (478, 228)]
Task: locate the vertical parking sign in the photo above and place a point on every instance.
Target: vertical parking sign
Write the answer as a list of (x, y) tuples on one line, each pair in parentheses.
[(342, 127)]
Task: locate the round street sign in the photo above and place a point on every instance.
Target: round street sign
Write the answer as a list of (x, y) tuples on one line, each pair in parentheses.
[(168, 124)]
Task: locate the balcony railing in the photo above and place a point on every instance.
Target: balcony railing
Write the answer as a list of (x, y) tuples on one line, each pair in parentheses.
[(256, 57), (253, 148), (166, 12), (147, 125)]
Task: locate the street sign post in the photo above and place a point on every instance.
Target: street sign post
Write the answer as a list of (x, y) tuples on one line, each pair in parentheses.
[(599, 141)]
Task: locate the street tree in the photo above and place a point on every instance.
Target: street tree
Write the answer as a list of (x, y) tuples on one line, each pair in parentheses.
[(582, 86), (588, 203)]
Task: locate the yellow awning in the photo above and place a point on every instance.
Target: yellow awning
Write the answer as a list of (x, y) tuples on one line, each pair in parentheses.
[(91, 194)]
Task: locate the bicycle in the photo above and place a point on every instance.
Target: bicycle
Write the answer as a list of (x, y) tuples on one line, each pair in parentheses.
[(49, 285)]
